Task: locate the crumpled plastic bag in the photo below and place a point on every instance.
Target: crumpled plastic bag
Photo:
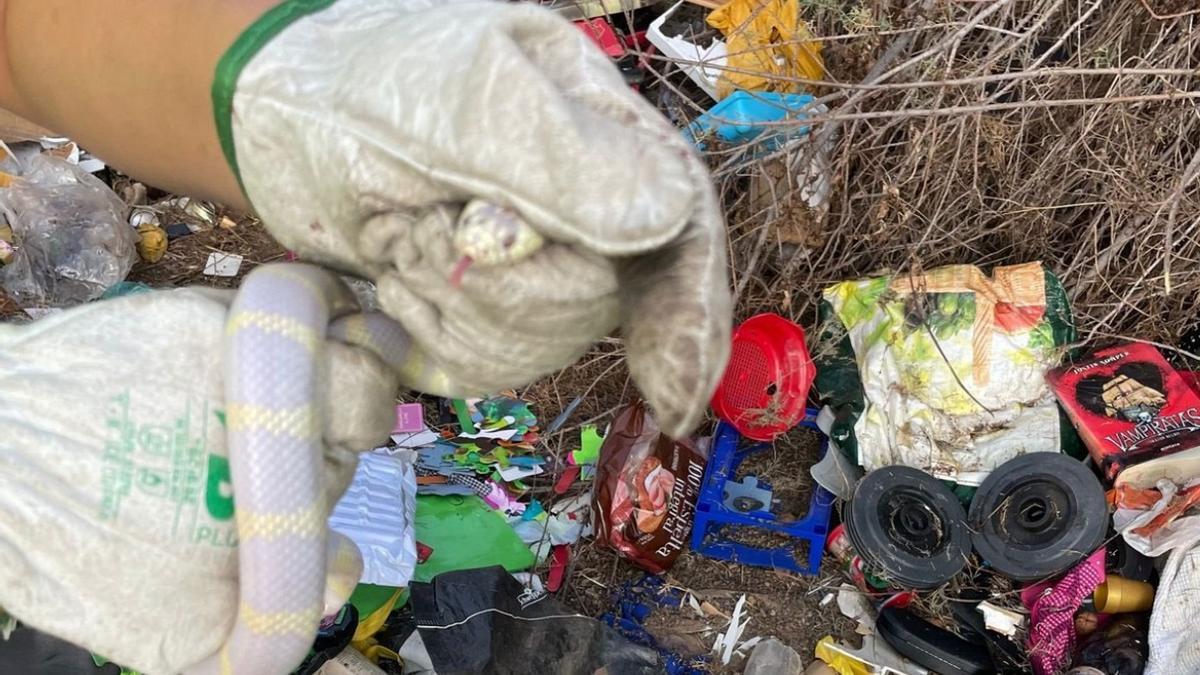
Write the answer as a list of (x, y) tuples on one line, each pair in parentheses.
[(1174, 635), (884, 355), (379, 513), (646, 489), (1177, 533), (72, 240), (484, 621), (766, 41)]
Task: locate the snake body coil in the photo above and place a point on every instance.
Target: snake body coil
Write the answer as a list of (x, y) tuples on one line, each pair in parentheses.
[(292, 569)]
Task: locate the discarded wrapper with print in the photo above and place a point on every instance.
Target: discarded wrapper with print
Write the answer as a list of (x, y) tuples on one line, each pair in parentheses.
[(942, 369), (646, 489)]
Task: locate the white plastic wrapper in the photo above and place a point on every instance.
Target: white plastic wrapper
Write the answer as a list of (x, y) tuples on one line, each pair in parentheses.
[(1178, 533), (378, 513)]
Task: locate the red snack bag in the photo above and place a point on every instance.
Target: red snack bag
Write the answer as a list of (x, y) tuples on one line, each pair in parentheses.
[(646, 489), (1129, 405)]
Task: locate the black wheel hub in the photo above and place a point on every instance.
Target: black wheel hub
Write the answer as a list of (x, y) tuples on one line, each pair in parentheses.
[(909, 526), (1037, 515)]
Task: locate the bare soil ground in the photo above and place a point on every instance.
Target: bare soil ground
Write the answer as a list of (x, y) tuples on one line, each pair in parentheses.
[(778, 603)]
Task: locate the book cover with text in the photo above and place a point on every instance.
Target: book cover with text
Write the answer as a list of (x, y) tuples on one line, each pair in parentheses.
[(1129, 405)]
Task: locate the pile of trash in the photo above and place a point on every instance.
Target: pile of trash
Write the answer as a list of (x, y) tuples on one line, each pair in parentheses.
[(989, 496), (73, 229), (1007, 502), (992, 498)]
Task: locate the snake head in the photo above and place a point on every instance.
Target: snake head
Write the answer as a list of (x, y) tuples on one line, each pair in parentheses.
[(489, 234), (674, 299), (668, 295)]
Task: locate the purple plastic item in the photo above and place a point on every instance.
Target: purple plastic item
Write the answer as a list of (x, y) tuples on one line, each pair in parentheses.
[(410, 418)]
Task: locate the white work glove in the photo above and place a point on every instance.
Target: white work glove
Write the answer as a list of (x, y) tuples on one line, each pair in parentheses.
[(116, 522), (359, 129)]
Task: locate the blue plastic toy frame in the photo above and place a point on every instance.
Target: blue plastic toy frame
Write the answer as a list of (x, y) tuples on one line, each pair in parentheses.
[(728, 451)]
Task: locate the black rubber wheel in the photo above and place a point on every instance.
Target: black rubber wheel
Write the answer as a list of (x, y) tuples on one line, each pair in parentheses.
[(909, 526), (927, 645), (1037, 515)]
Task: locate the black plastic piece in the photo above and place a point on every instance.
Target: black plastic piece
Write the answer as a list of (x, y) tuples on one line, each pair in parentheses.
[(968, 620), (748, 504), (1120, 648), (334, 634), (1037, 515), (909, 526), (937, 649), (1125, 561), (31, 652), (484, 621), (631, 70), (1008, 658), (177, 230)]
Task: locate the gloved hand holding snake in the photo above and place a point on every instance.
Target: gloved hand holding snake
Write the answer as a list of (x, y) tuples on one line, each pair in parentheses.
[(170, 458)]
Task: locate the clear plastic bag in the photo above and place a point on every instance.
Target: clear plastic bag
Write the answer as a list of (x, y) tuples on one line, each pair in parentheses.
[(72, 239)]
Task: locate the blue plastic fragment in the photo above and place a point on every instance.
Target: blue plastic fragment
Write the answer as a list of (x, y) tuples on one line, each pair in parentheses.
[(712, 515), (632, 605), (749, 496), (527, 462), (743, 116), (439, 457), (532, 511), (123, 288)]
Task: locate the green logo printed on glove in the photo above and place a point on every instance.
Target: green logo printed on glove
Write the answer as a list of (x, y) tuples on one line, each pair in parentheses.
[(118, 463), (167, 462), (218, 495)]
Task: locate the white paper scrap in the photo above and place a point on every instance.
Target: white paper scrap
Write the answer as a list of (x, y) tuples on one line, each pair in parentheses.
[(417, 439), (223, 264), (514, 472), (499, 435)]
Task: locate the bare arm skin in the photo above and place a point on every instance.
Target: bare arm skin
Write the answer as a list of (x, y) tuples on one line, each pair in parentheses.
[(130, 80)]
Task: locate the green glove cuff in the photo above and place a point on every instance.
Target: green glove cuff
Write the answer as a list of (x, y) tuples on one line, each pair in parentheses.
[(245, 48)]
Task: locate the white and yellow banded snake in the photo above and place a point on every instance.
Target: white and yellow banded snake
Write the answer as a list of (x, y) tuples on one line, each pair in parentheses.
[(293, 569)]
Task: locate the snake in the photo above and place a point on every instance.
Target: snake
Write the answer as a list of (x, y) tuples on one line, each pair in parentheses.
[(491, 235), (292, 569)]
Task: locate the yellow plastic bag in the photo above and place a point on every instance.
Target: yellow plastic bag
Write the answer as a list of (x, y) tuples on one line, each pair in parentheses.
[(829, 651), (766, 39)]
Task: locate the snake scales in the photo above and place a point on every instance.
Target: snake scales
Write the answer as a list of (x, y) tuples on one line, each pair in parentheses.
[(292, 569)]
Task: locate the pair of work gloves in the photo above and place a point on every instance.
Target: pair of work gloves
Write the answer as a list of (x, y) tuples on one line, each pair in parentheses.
[(359, 130)]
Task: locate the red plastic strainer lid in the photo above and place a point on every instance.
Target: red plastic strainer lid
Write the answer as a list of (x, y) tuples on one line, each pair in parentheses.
[(765, 386)]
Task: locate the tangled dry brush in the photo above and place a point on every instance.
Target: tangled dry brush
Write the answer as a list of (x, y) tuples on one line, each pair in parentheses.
[(987, 132)]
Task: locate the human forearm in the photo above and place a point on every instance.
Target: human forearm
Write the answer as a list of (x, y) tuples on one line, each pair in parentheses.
[(128, 79)]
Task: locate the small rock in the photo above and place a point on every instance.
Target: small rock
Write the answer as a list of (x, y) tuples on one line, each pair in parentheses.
[(772, 657)]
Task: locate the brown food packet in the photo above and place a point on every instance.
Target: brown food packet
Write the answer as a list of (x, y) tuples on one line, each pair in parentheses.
[(646, 489)]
